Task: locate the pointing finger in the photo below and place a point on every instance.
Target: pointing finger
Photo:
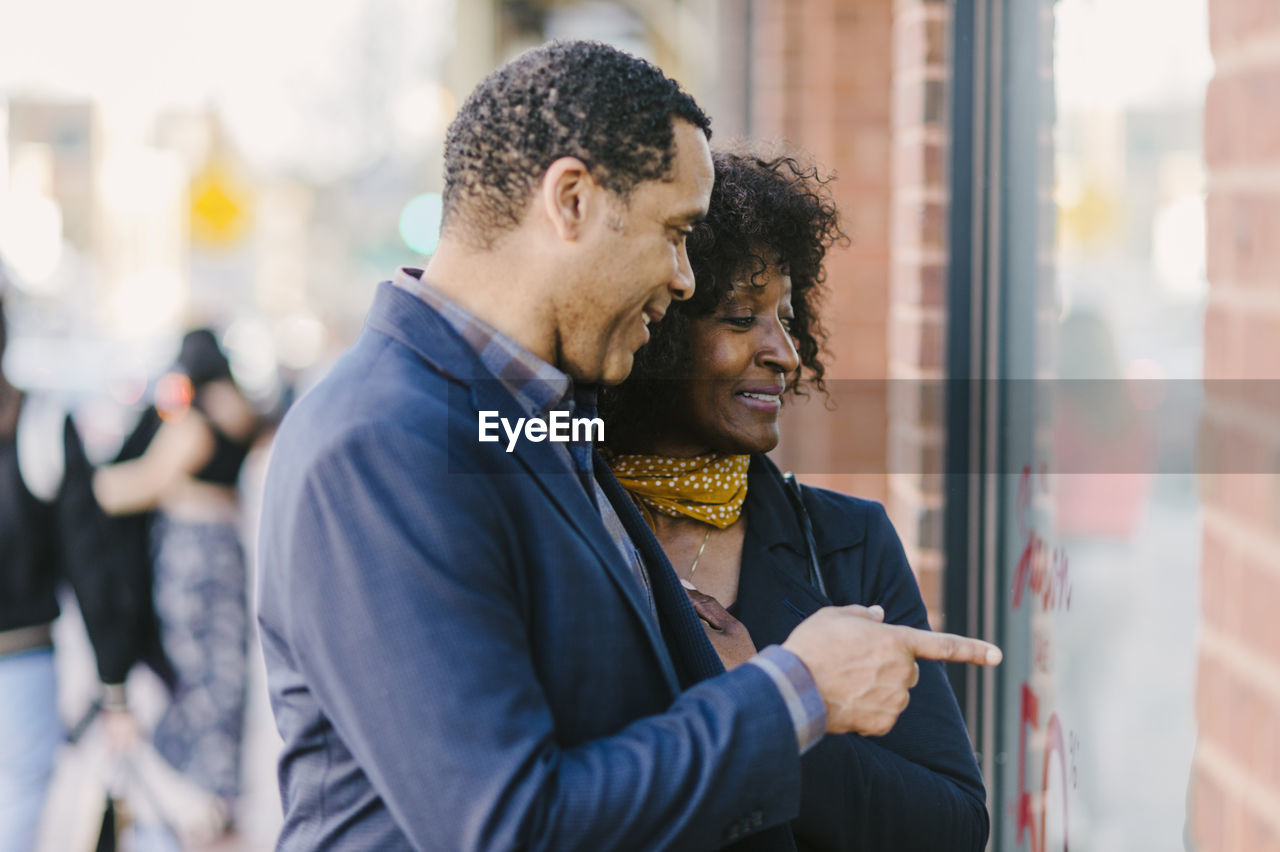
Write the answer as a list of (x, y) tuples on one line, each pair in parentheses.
[(950, 648)]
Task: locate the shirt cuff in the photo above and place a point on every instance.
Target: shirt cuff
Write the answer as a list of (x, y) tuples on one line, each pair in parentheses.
[(795, 684)]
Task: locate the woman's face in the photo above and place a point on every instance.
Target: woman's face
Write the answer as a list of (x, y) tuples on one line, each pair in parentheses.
[(741, 356)]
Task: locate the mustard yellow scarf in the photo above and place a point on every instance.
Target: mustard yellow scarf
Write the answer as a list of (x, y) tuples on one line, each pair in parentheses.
[(710, 488)]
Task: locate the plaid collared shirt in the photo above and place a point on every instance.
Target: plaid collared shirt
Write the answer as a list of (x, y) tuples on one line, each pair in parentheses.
[(539, 388)]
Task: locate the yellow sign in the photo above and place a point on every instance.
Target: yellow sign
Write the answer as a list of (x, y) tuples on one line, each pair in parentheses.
[(219, 207)]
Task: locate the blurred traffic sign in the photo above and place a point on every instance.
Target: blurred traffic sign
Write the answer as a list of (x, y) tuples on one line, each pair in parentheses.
[(219, 207)]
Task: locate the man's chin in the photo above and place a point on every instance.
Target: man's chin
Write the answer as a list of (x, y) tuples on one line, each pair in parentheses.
[(613, 379), (608, 375), (616, 370)]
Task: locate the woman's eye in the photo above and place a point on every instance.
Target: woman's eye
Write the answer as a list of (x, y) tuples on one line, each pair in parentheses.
[(787, 322), (740, 322)]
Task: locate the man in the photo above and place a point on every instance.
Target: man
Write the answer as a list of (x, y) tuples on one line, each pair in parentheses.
[(475, 644)]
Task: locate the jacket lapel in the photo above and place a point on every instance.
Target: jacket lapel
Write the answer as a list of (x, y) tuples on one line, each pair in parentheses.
[(563, 487), (774, 593), (407, 319), (686, 637)]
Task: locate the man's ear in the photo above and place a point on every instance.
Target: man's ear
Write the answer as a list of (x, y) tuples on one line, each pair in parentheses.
[(568, 192)]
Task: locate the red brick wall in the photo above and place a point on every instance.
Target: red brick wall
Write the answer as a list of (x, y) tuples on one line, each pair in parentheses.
[(1236, 791), (859, 85), (917, 291), (822, 82)]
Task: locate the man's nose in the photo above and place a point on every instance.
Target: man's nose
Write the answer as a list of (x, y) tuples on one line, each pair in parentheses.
[(682, 285)]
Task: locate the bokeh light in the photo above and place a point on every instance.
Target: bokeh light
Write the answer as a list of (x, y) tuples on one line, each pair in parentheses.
[(420, 222)]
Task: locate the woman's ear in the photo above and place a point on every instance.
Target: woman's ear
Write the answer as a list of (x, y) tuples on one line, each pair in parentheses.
[(566, 193)]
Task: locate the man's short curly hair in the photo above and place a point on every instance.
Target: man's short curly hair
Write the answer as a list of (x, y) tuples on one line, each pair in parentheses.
[(583, 99), (764, 213)]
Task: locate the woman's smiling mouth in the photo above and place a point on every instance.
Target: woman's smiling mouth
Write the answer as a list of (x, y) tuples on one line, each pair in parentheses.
[(762, 398)]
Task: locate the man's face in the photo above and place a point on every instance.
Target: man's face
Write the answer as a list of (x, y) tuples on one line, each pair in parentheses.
[(634, 265)]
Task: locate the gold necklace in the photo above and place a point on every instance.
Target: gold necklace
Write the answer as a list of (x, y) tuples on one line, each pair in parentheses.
[(694, 566)]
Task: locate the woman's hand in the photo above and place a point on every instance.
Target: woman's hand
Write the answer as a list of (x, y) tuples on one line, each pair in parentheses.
[(122, 730), (728, 635)]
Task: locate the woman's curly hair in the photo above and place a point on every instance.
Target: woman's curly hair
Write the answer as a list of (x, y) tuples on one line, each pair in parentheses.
[(764, 213)]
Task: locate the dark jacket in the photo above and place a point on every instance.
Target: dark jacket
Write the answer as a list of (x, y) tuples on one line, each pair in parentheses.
[(29, 564), (916, 788), (457, 656), (71, 539)]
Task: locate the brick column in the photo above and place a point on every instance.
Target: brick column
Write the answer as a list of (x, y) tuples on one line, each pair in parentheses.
[(822, 82), (860, 86), (1236, 787), (917, 291)]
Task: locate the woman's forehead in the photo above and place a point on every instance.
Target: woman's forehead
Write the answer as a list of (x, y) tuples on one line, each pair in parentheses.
[(759, 286)]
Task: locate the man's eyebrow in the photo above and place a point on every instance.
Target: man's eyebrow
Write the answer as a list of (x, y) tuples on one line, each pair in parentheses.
[(691, 217)]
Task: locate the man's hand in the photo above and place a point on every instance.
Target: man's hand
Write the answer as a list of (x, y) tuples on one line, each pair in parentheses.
[(728, 635), (864, 670)]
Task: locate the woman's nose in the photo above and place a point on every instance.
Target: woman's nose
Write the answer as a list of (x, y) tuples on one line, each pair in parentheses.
[(779, 350)]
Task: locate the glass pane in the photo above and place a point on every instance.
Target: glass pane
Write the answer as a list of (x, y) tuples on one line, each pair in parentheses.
[(1100, 518)]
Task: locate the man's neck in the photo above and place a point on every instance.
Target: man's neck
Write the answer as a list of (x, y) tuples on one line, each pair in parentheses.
[(499, 286)]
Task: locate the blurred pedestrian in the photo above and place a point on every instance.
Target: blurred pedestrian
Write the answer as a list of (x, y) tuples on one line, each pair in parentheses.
[(688, 432), (187, 474), (48, 526)]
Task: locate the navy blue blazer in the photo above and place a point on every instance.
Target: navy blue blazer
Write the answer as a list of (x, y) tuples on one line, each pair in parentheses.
[(457, 656), (919, 786)]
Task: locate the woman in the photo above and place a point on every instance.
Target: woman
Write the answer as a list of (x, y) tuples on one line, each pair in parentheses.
[(188, 474), (51, 531), (687, 434)]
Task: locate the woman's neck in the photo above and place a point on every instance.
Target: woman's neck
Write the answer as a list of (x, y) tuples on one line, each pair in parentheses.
[(716, 553), (667, 527)]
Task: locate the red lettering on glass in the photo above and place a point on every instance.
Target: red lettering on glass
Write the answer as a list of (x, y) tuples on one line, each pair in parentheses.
[(1042, 570), (1055, 744), (1042, 646), (1028, 815), (1030, 717)]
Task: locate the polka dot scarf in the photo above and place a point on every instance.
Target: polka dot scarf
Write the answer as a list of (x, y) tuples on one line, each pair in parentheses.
[(709, 488)]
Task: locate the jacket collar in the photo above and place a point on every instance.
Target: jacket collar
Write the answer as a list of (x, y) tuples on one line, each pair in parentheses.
[(773, 520), (409, 320), (766, 498)]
